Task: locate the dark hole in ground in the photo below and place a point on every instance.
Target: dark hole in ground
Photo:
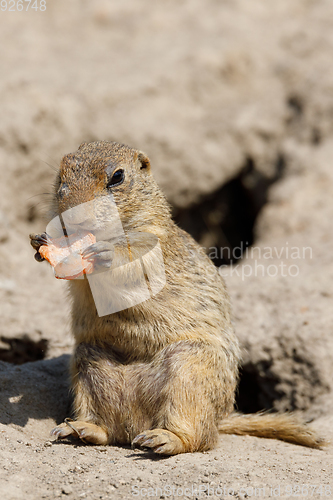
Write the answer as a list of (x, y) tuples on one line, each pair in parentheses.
[(22, 350), (247, 397), (223, 222), (256, 389)]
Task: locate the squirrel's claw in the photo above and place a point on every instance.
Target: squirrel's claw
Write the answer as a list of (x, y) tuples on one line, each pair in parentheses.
[(100, 253), (36, 241)]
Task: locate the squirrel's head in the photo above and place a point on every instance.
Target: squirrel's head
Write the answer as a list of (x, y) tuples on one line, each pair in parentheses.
[(104, 172)]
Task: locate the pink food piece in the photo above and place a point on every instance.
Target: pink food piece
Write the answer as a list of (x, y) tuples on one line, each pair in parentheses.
[(65, 255)]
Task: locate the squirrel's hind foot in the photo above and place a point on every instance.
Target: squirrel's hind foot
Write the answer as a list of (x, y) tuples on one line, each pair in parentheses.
[(160, 441), (86, 431)]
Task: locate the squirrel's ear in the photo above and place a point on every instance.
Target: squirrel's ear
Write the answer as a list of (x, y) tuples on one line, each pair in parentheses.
[(144, 160), (82, 145)]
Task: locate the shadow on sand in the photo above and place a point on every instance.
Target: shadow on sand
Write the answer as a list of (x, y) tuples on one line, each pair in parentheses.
[(37, 390)]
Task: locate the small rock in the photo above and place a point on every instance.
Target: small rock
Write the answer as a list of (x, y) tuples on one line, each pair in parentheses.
[(67, 490)]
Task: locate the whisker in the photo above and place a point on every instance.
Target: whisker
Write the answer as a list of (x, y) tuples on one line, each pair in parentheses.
[(40, 194), (49, 165), (54, 166), (33, 207)]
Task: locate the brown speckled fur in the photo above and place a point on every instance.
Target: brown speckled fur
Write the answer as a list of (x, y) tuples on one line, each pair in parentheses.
[(162, 373)]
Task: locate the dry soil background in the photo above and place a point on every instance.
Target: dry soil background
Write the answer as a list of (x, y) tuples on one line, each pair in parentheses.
[(233, 102)]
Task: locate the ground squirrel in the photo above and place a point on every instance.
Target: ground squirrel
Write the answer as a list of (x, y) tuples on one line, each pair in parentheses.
[(161, 374)]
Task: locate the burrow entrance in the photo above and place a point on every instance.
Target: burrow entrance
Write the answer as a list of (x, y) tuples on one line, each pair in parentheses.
[(22, 349), (225, 219)]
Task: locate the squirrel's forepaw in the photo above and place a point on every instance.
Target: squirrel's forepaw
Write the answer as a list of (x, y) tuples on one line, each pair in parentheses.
[(160, 441), (100, 254), (36, 241)]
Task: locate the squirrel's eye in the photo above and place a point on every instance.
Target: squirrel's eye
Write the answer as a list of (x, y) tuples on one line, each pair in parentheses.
[(116, 179)]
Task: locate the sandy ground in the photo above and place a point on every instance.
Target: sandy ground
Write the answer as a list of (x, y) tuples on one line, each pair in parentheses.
[(202, 88), (241, 467)]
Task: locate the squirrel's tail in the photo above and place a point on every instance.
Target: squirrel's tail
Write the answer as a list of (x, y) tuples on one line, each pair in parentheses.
[(283, 426)]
